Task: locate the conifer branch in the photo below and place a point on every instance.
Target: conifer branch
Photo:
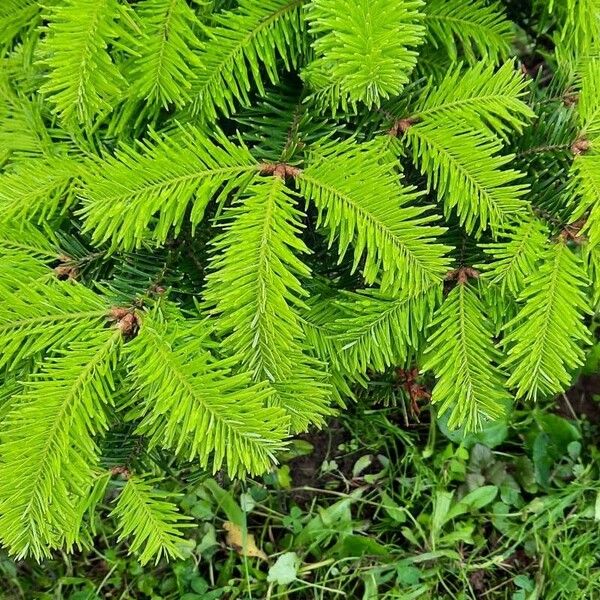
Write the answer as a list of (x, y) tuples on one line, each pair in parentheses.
[(372, 331), (255, 290), (586, 178), (365, 48), (245, 43), (515, 259), (461, 354), (23, 238), (361, 202), (544, 341), (23, 132), (54, 418), (481, 96), (588, 104), (192, 268), (469, 174), (475, 28), (168, 59), (585, 171), (38, 189), (16, 16), (157, 185), (192, 403), (44, 314), (152, 521), (83, 80)]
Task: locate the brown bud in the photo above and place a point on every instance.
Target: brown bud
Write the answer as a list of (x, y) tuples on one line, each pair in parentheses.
[(123, 471), (280, 170), (572, 232), (580, 147), (117, 313), (126, 320), (66, 271), (570, 99), (158, 289), (128, 325), (401, 126), (462, 275)]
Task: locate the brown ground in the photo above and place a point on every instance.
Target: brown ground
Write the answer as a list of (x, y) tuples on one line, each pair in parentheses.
[(579, 401)]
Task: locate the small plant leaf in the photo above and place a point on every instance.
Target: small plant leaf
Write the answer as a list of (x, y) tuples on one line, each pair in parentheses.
[(285, 569)]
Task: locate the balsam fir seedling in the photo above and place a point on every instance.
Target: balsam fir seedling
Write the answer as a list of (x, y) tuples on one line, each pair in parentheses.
[(219, 219)]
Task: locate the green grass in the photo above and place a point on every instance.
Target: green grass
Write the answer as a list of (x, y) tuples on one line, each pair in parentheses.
[(372, 509)]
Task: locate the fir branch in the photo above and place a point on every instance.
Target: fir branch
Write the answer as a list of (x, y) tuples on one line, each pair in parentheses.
[(16, 16), (22, 128), (372, 331), (255, 291), (24, 238), (588, 105), (361, 203), (245, 44), (143, 195), (283, 123), (517, 258), (35, 317), (544, 342), (585, 170), (366, 48), (82, 80), (577, 38), (475, 29), (82, 528), (38, 189), (165, 69), (481, 96), (47, 447), (150, 520), (585, 181), (192, 403), (30, 270), (468, 173), (462, 356)]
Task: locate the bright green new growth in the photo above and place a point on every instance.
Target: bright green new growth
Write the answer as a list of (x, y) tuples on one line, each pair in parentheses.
[(254, 288), (462, 354), (168, 53), (544, 340), (219, 220), (365, 49), (150, 519), (84, 78)]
